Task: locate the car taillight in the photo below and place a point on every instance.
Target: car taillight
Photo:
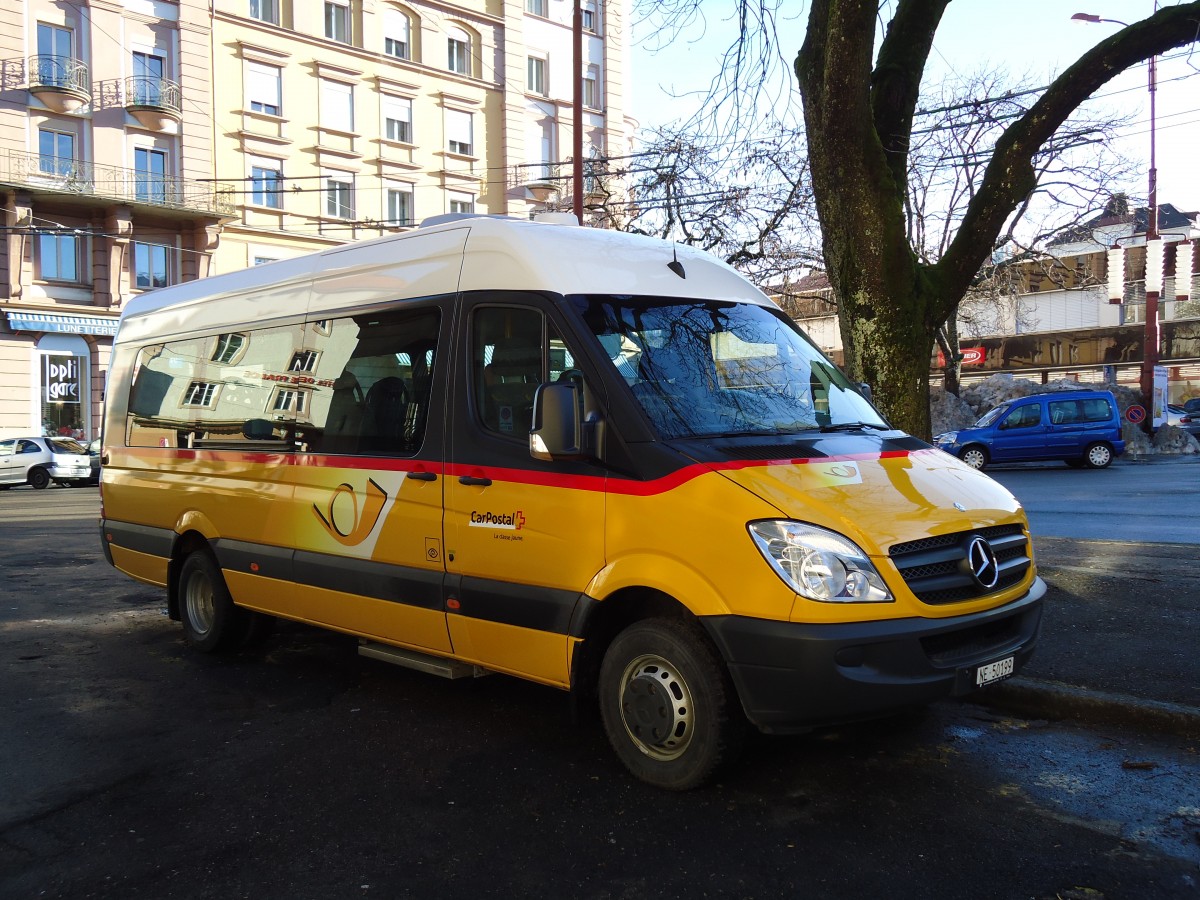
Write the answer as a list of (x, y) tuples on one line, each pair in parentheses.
[(1185, 420)]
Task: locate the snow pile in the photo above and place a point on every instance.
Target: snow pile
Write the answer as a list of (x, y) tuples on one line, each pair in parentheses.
[(950, 413)]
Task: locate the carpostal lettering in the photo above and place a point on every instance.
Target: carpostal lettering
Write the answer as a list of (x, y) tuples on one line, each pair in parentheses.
[(514, 521)]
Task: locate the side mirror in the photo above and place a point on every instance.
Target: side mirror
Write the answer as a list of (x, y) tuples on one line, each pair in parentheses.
[(865, 390), (559, 430)]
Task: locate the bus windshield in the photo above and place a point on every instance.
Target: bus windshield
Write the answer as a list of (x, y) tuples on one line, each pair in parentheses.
[(705, 368)]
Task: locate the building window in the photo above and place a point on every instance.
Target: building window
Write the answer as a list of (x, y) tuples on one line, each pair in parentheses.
[(591, 88), (400, 205), (303, 361), (458, 44), (459, 128), (55, 51), (149, 72), (150, 174), (265, 11), (337, 21), (397, 34), (535, 75), (58, 257), (462, 203), (150, 266), (266, 185), (536, 7), (397, 119), (337, 106), (339, 195), (56, 152), (264, 91), (589, 19), (200, 393), (290, 400), (229, 346)]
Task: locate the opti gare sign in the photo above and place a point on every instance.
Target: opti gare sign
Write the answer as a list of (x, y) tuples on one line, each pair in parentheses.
[(61, 379)]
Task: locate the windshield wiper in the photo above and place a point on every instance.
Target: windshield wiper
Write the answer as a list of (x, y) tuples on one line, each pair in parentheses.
[(854, 426)]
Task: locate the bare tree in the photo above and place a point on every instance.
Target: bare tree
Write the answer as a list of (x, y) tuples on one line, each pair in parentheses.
[(750, 204), (1078, 171), (860, 99)]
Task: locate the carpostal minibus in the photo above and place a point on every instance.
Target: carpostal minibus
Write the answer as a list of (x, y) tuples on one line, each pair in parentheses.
[(590, 459)]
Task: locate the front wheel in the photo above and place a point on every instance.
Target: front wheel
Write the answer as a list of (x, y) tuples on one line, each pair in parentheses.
[(974, 456), (211, 622), (669, 708), (1098, 455), (39, 479)]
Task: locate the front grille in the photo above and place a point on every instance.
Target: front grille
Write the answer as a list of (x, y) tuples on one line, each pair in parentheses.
[(936, 569)]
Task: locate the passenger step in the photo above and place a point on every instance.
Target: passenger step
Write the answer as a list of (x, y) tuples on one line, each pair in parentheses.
[(422, 662)]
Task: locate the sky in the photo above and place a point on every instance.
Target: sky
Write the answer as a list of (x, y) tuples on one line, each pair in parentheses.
[(1028, 37)]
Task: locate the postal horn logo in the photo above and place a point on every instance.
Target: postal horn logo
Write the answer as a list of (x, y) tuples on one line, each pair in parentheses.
[(344, 520)]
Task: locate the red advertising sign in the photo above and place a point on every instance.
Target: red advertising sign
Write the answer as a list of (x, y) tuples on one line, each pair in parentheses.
[(972, 356)]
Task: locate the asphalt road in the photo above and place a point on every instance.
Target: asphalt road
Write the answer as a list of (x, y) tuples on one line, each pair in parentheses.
[(1156, 502), (135, 767)]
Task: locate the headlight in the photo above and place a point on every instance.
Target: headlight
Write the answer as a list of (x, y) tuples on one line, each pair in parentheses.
[(948, 437), (819, 564)]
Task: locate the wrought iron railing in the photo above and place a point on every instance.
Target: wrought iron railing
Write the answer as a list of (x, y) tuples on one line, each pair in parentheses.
[(55, 173), (153, 92), (61, 73)]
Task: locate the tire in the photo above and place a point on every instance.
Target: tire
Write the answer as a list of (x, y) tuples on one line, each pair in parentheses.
[(211, 622), (39, 479), (669, 708), (974, 456), (1098, 455)]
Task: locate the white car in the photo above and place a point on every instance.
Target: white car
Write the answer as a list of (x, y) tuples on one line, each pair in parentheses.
[(38, 461)]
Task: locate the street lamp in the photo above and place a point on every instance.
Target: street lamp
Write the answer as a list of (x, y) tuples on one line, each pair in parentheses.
[(1154, 247)]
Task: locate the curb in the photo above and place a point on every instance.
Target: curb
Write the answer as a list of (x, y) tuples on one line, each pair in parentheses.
[(1055, 700)]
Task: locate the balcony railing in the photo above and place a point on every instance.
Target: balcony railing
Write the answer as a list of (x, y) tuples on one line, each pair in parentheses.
[(156, 93), (62, 73), (84, 179)]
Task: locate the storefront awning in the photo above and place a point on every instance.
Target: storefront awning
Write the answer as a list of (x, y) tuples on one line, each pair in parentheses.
[(60, 324)]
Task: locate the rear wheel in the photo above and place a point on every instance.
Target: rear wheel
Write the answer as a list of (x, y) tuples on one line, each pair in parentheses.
[(1098, 455), (39, 479), (974, 456), (211, 622), (669, 708)]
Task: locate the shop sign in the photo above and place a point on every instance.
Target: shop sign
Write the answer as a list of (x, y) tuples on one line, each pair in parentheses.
[(61, 381)]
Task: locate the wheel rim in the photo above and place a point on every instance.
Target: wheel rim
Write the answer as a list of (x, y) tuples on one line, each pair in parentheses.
[(199, 599), (39, 479), (1099, 455), (973, 458), (656, 707)]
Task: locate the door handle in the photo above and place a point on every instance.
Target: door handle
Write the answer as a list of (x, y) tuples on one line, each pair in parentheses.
[(473, 479), (422, 476)]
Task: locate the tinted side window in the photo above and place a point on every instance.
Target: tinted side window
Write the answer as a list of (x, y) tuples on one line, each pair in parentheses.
[(1096, 409), (6, 448), (1023, 417), (378, 402)]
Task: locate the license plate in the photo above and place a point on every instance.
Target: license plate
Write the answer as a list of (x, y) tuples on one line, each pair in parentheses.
[(996, 671)]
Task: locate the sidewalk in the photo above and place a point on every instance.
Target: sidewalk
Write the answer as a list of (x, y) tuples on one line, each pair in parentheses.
[(1120, 641)]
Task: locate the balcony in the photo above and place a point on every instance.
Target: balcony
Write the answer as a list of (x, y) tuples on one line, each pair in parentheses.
[(154, 102), (91, 184), (60, 82), (541, 180)]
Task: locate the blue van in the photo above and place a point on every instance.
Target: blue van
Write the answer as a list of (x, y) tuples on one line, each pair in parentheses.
[(1082, 428)]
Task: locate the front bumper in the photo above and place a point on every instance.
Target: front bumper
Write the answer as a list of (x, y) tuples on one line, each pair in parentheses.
[(792, 677)]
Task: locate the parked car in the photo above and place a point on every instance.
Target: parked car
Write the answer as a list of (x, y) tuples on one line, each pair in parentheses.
[(1081, 428), (1181, 418), (1192, 406), (38, 461), (93, 449)]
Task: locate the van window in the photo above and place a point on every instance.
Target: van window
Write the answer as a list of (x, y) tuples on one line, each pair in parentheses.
[(513, 350), (378, 402), (709, 367), (356, 385), (1074, 412), (1023, 417)]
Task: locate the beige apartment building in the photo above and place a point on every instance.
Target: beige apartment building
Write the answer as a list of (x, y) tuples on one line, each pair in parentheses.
[(148, 142)]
